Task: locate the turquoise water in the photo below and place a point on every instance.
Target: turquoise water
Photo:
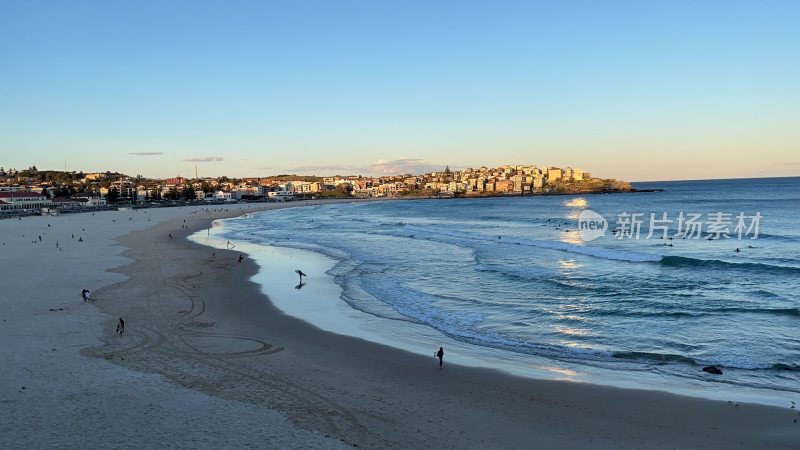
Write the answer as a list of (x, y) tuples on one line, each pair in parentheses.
[(514, 274)]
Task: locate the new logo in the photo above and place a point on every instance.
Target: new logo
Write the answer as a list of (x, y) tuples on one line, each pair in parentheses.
[(591, 225)]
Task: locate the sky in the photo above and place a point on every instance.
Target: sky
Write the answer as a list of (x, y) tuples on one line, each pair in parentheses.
[(638, 90)]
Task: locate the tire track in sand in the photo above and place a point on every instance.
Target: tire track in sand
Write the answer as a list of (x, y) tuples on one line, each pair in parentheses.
[(197, 309)]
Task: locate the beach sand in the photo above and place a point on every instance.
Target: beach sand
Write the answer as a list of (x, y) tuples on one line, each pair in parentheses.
[(52, 395), (241, 373)]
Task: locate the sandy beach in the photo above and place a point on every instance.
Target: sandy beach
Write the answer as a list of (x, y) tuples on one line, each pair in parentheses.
[(207, 361), (53, 394)]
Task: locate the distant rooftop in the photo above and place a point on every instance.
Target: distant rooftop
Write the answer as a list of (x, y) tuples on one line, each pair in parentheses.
[(19, 194)]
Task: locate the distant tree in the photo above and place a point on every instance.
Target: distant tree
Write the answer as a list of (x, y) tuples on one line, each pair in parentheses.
[(113, 195), (447, 170), (188, 193), (155, 194), (64, 191), (172, 194), (79, 188), (46, 193), (343, 190)]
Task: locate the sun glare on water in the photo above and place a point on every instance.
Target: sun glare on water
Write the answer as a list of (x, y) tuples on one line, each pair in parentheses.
[(579, 202)]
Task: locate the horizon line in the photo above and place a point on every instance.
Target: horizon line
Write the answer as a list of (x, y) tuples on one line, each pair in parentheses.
[(717, 179)]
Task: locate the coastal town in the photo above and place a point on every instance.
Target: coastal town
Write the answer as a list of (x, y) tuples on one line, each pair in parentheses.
[(36, 190)]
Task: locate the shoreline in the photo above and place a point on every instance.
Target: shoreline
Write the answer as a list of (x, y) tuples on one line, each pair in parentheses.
[(266, 204), (240, 346), (320, 305), (513, 195)]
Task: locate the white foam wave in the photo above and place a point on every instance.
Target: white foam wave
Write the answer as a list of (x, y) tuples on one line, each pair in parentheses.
[(588, 250)]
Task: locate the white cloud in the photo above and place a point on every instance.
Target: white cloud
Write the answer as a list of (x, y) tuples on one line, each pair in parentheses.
[(146, 153), (403, 165), (399, 166), (328, 169), (203, 159)]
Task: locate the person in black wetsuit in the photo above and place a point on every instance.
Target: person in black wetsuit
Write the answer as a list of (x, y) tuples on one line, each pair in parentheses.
[(440, 355), (120, 326)]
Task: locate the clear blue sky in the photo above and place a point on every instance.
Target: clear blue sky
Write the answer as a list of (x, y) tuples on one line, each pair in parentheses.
[(636, 90)]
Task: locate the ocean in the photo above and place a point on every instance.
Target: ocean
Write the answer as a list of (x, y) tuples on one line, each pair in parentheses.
[(519, 275)]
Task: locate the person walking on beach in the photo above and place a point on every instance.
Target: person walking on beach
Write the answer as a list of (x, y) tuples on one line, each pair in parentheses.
[(440, 355), (120, 326), (85, 294), (241, 257)]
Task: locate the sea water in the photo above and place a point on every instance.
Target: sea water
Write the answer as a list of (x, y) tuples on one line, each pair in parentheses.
[(512, 275)]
